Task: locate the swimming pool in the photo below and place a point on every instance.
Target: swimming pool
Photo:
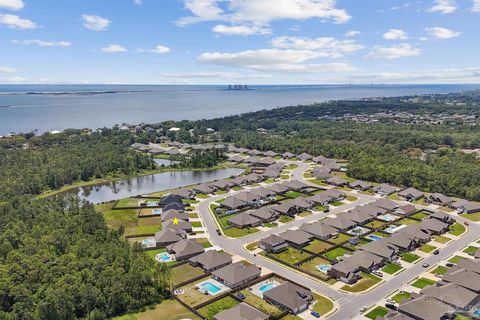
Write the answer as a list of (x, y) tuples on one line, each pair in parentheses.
[(209, 287), (148, 243), (157, 211), (152, 204), (164, 257), (323, 268), (477, 313), (266, 287), (393, 228), (387, 217), (358, 231), (374, 237)]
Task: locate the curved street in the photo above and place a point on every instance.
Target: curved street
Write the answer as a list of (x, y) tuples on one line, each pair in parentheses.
[(349, 303)]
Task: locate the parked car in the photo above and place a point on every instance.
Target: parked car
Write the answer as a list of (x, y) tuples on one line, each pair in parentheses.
[(425, 265), (363, 309), (391, 306), (241, 296), (218, 232), (378, 274), (315, 314), (449, 264), (436, 252)]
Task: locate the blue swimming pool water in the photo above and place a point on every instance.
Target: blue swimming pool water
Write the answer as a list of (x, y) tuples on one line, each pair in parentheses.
[(387, 217), (324, 268), (164, 257), (266, 287), (477, 313), (157, 211), (148, 243), (210, 287), (152, 204), (374, 237)]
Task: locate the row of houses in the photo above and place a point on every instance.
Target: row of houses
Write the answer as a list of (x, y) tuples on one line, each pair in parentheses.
[(289, 208), (458, 292), (375, 254)]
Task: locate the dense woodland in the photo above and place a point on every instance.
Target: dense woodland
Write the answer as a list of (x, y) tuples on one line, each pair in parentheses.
[(422, 156), (58, 260), (200, 158)]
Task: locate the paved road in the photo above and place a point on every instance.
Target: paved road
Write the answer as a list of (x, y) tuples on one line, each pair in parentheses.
[(350, 304)]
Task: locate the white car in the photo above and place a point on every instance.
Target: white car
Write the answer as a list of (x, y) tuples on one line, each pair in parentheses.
[(363, 309)]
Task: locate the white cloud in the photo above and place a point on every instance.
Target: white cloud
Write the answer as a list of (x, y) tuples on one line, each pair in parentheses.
[(7, 70), (160, 49), (216, 75), (137, 2), (443, 6), (476, 6), (452, 75), (113, 48), (352, 33), (12, 4), (243, 30), (395, 34), (274, 60), (13, 80), (442, 33), (394, 52), (43, 43), (95, 23), (262, 11), (325, 46), (15, 22)]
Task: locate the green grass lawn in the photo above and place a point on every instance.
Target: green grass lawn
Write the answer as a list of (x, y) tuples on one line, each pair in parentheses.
[(284, 176), (470, 250), (408, 221), (116, 218), (340, 238), (422, 283), (197, 224), (238, 233), (440, 270), (419, 215), (337, 252), (319, 182), (204, 242), (457, 229), (291, 167), (260, 304), (409, 257), (202, 196), (377, 312), (166, 310), (375, 224), (391, 268), (441, 239), (183, 273), (351, 198), (304, 213), (427, 248), (394, 197), (291, 317), (402, 295), (366, 282), (320, 208), (291, 255), (285, 219), (293, 194), (472, 216), (252, 246), (153, 253), (323, 304), (455, 259), (193, 215), (310, 266), (209, 311), (336, 203), (318, 246), (128, 202)]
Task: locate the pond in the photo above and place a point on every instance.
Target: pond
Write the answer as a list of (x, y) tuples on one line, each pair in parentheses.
[(151, 183), (163, 162)]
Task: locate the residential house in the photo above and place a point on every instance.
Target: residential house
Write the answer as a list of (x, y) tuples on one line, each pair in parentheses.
[(296, 238), (249, 197), (287, 155), (332, 165), (252, 160), (465, 206), (170, 198), (271, 174), (425, 307), (273, 244), (342, 223), (182, 225), (222, 185), (278, 188), (320, 199), (319, 159), (233, 203), (386, 204), (211, 260), (321, 173), (406, 210), (265, 162), (301, 203), (205, 188), (179, 206), (336, 195), (236, 274), (357, 216), (253, 178), (452, 294), (463, 277), (243, 311), (434, 226), (167, 237), (172, 214), (244, 220), (384, 189), (239, 181), (439, 199), (289, 296), (411, 194), (265, 214), (360, 185), (286, 209), (237, 159), (184, 249), (184, 193), (444, 217), (347, 270), (295, 185), (305, 156), (270, 153), (319, 230), (336, 181), (382, 249)]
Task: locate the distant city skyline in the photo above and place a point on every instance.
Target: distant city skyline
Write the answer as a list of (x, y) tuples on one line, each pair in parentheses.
[(239, 41)]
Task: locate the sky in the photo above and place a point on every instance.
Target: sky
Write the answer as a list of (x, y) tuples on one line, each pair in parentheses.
[(239, 41)]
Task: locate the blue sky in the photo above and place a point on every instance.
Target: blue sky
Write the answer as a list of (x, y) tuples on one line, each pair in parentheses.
[(239, 41)]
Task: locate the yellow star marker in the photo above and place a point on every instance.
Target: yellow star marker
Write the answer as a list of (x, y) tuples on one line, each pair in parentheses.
[(175, 220)]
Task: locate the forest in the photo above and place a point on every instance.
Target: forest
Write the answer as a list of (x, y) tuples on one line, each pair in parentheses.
[(58, 259)]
